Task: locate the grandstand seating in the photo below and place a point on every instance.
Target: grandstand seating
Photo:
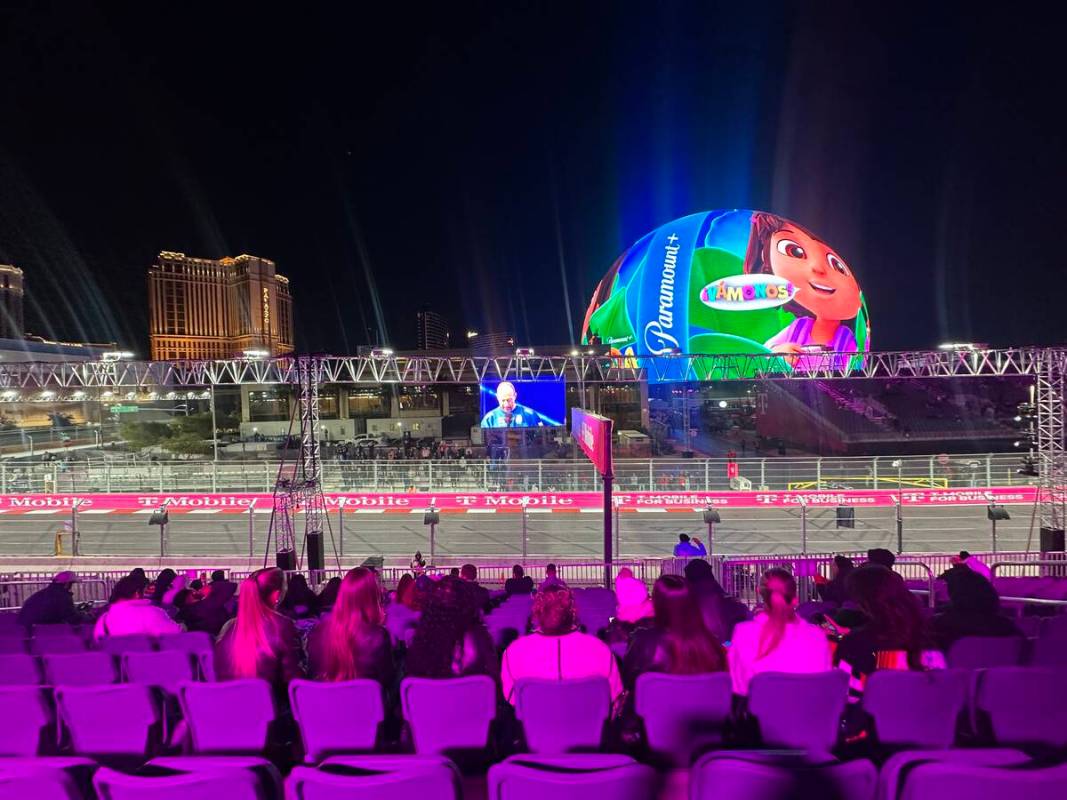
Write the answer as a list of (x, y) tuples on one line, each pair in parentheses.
[(376, 778), (563, 716), (683, 714), (448, 715), (571, 777), (916, 709), (800, 712), (719, 775), (339, 717), (73, 719)]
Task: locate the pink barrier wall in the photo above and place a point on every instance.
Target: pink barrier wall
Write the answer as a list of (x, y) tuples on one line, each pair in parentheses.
[(399, 501)]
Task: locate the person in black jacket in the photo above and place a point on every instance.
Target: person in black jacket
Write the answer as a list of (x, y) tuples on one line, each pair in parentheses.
[(350, 642), (677, 642), (834, 590), (450, 639), (481, 596), (721, 612), (51, 605), (259, 642), (973, 610), (519, 582), (214, 611)]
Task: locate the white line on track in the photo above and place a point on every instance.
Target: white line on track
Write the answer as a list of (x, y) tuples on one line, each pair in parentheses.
[(369, 511), (204, 511), (96, 511), (591, 510), (481, 510), (44, 511), (651, 510)]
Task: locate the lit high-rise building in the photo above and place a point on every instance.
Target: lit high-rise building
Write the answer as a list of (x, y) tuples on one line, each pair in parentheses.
[(201, 308), (433, 331), (11, 295)]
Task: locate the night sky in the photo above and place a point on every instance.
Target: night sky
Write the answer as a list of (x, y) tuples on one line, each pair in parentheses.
[(491, 160)]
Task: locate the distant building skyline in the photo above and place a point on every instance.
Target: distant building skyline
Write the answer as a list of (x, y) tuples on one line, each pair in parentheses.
[(12, 294), (432, 332), (492, 343), (201, 308)]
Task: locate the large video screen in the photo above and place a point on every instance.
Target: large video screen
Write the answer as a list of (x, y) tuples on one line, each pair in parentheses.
[(523, 404), (733, 282)]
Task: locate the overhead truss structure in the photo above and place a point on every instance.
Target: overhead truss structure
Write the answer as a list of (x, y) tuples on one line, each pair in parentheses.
[(422, 370), (1047, 366)]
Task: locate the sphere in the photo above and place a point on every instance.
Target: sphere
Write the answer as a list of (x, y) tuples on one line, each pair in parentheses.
[(733, 282)]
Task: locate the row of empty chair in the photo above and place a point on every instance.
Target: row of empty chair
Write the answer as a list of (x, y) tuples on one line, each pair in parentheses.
[(75, 639), (682, 715), (976, 775), (164, 668)]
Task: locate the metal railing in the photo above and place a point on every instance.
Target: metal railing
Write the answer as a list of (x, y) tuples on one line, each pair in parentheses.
[(460, 475), (13, 593), (739, 576)]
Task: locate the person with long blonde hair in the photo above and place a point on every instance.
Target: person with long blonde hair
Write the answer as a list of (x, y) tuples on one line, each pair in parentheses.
[(259, 642), (351, 641), (777, 640)]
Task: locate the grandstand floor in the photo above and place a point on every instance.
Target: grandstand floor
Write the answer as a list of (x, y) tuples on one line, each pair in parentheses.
[(742, 531)]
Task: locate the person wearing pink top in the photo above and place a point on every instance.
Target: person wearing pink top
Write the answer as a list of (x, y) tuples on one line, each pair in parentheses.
[(776, 640), (557, 649), (130, 614)]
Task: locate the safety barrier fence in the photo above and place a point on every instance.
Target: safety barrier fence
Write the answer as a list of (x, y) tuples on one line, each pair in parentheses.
[(136, 474), (94, 589), (739, 576)]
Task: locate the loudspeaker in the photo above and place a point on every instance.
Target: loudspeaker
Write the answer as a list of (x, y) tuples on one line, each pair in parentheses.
[(846, 517), (431, 518), (374, 562), (285, 560), (1052, 540), (711, 515), (316, 555)]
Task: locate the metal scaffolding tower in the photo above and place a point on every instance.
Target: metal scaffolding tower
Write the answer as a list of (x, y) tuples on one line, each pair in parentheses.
[(302, 492), (1049, 397)]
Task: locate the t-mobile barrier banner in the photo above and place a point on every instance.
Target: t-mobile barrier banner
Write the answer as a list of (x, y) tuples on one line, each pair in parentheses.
[(561, 501), (593, 434)]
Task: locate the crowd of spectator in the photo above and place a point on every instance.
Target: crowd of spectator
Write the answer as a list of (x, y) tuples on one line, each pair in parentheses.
[(277, 628)]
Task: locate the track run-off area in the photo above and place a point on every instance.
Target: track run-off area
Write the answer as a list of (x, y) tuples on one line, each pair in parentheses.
[(538, 525)]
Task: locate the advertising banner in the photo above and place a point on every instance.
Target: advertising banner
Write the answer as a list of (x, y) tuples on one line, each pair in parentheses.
[(592, 432), (400, 502)]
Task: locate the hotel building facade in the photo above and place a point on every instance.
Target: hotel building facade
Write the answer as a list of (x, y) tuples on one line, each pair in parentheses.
[(202, 308)]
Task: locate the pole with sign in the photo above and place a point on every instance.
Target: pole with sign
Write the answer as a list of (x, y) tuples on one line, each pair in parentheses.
[(592, 433)]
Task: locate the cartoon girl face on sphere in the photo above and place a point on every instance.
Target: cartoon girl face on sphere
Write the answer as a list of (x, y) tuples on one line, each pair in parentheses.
[(825, 285)]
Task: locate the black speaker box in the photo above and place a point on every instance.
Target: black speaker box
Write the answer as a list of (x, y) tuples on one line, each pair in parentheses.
[(846, 517), (1052, 540), (316, 554), (285, 560)]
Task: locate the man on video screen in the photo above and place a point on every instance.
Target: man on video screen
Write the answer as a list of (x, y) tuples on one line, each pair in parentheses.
[(508, 413)]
